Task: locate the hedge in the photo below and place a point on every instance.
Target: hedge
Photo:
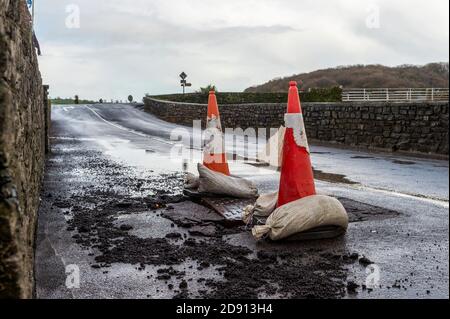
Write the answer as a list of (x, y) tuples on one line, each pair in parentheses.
[(313, 95)]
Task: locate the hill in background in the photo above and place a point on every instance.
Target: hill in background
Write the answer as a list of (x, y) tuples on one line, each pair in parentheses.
[(365, 76)]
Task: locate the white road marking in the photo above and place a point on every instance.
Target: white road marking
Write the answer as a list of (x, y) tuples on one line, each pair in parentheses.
[(434, 201), (127, 130), (67, 108)]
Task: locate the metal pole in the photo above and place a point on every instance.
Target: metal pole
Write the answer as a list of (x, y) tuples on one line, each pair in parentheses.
[(32, 15), (32, 25)]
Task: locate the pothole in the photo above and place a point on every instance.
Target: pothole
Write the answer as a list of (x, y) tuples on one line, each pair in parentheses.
[(333, 178), (361, 212)]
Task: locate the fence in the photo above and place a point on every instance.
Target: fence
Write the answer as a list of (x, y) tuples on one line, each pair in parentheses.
[(395, 95)]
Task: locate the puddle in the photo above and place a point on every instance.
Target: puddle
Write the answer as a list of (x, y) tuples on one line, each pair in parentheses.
[(333, 178), (360, 212), (258, 164), (150, 224), (152, 281), (362, 157), (403, 162), (149, 159)]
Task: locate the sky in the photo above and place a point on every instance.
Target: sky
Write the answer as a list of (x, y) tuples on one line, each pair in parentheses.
[(112, 48)]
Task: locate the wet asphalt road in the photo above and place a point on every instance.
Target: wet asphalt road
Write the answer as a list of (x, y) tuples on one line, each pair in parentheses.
[(112, 146)]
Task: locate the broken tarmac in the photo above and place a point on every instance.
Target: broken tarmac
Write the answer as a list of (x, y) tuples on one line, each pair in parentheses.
[(117, 213)]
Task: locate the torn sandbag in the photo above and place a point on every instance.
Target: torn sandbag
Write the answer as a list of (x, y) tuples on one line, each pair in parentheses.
[(273, 152), (191, 181), (219, 184), (303, 215), (264, 206)]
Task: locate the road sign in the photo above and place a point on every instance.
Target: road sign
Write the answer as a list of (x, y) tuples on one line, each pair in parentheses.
[(183, 81), (30, 5)]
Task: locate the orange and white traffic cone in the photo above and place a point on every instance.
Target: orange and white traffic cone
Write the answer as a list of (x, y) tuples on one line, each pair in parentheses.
[(297, 180), (214, 156)]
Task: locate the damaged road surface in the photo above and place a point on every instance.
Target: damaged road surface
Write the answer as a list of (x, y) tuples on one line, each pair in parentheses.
[(113, 223)]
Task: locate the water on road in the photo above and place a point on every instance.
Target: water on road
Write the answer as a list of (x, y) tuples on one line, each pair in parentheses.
[(96, 144)]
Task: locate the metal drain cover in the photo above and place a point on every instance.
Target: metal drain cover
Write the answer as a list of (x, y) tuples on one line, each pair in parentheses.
[(230, 208)]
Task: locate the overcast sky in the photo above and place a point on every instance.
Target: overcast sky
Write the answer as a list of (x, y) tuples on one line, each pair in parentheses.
[(141, 46)]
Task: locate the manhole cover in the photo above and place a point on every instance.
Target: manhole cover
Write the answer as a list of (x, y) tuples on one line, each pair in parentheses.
[(230, 208)]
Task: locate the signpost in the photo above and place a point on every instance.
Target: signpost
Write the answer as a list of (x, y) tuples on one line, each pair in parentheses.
[(183, 82), (30, 5)]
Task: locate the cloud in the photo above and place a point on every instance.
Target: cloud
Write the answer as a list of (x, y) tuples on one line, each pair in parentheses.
[(140, 46)]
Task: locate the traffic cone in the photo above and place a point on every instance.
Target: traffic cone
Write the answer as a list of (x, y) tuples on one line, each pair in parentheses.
[(214, 156), (297, 180)]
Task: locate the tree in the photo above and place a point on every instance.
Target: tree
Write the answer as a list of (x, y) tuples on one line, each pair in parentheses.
[(130, 98), (207, 89), (101, 101), (77, 99)]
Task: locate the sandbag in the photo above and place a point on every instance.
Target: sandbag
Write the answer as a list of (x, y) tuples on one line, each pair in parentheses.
[(303, 215), (264, 206), (220, 184), (191, 181)]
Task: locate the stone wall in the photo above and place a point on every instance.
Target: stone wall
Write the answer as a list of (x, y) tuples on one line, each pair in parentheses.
[(409, 127), (24, 113)]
